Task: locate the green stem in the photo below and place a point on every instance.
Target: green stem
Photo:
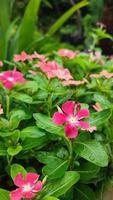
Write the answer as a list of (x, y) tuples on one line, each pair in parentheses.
[(70, 149), (7, 105)]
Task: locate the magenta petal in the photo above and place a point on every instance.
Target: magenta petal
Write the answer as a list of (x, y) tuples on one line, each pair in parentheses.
[(59, 118), (84, 125), (18, 180), (71, 131), (68, 107), (31, 178), (16, 194), (38, 186), (28, 195), (82, 113)]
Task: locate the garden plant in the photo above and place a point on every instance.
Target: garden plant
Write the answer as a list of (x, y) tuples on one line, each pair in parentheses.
[(56, 112)]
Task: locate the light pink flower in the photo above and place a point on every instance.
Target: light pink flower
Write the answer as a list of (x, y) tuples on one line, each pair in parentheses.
[(1, 63), (97, 107), (21, 57), (27, 187), (106, 74), (74, 82), (63, 74), (67, 53), (32, 72), (53, 69), (1, 110), (11, 77), (71, 115)]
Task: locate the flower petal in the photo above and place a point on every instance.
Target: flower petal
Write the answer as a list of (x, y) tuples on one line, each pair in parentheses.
[(71, 131), (59, 118), (84, 125), (28, 195), (68, 107), (31, 178), (16, 194), (38, 186), (82, 113), (18, 180)]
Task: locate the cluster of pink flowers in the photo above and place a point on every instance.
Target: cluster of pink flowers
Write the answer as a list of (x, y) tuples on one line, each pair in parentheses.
[(28, 186), (104, 73), (71, 115), (67, 53), (11, 77), (24, 57), (53, 69)]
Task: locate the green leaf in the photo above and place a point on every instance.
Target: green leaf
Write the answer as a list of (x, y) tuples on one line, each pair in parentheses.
[(4, 195), (3, 149), (55, 167), (87, 170), (102, 100), (32, 86), (38, 143), (22, 97), (28, 24), (49, 198), (31, 132), (83, 192), (46, 123), (62, 185), (16, 116), (15, 169), (12, 151), (55, 27), (92, 151), (99, 118)]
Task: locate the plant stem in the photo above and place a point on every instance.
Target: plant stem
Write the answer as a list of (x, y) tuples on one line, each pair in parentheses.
[(70, 149), (7, 105)]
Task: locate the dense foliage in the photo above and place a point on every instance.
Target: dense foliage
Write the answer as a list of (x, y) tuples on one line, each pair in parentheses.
[(55, 110)]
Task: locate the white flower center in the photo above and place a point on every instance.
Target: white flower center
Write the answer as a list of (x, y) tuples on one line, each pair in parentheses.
[(10, 79), (27, 188), (72, 120)]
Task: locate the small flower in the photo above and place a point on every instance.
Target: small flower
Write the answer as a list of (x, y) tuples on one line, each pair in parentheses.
[(1, 63), (11, 77), (71, 115), (67, 53), (21, 57), (53, 69), (27, 187), (97, 107), (74, 82), (1, 110)]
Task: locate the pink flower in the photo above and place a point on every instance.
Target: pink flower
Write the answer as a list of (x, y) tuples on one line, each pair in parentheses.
[(71, 115), (11, 77), (53, 69), (67, 53), (63, 74), (1, 63), (28, 186), (1, 110), (97, 107), (74, 82), (21, 57)]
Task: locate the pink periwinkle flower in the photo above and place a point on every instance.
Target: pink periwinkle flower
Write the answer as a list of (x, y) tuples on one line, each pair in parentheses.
[(72, 115), (21, 57), (53, 69), (28, 187), (67, 53), (11, 77)]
